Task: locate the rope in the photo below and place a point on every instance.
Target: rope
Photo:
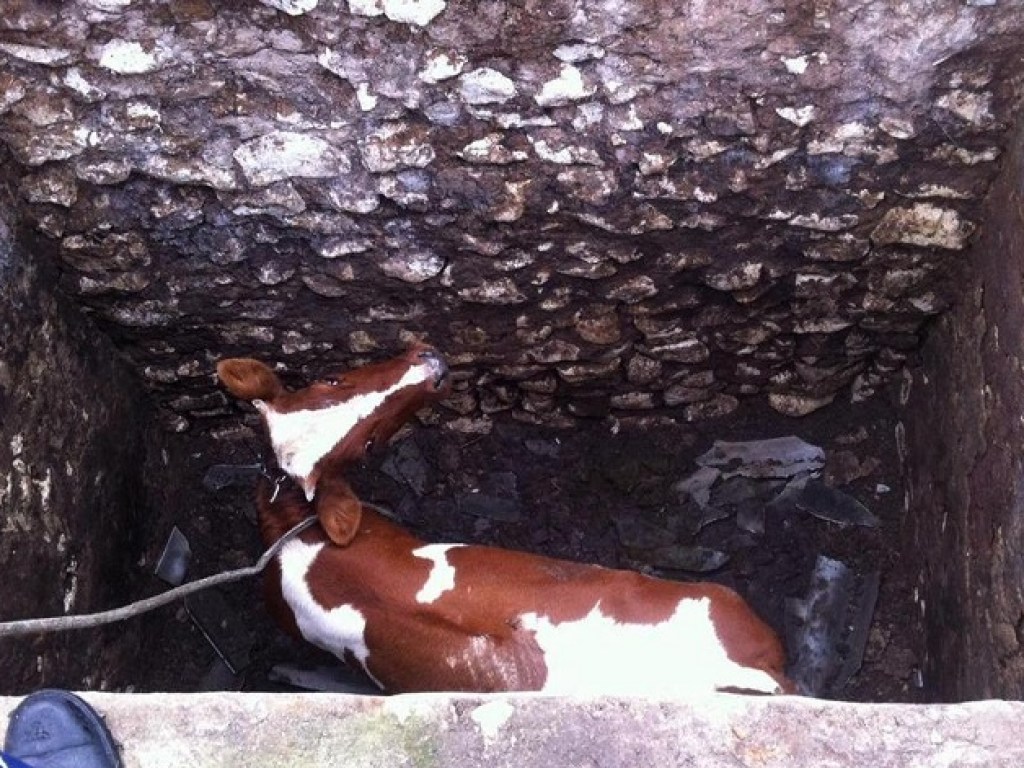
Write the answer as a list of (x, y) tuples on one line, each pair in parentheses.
[(89, 620)]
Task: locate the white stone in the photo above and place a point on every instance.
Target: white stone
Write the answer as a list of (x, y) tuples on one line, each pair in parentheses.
[(897, 127), (564, 155), (332, 249), (514, 204), (775, 157), (418, 12), (797, 405), (186, 172), (656, 162), (852, 130), (285, 154), (799, 116), (796, 65), (630, 121), (393, 146), (126, 58), (108, 5), (486, 86), (975, 108), (367, 100), (702, 150), (490, 150), (940, 190), (413, 267), (513, 120), (576, 52), (500, 291), (37, 54), (742, 276), (442, 66), (292, 7), (142, 112), (925, 225), (825, 223), (567, 87), (74, 80), (963, 155)]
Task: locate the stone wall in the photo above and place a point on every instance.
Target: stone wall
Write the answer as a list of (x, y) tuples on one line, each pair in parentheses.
[(77, 444), (962, 442), (592, 207), (629, 207)]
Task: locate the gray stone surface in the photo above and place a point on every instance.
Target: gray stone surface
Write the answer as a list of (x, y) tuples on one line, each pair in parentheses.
[(224, 729), (671, 206)]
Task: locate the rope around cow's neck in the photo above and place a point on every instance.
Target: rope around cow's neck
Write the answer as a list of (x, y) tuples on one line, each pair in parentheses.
[(88, 620)]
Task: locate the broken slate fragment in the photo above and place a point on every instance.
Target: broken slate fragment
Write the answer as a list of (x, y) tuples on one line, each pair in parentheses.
[(708, 516), (827, 631), (696, 559), (739, 490), (332, 679), (815, 625), (777, 457), (698, 485), (484, 505), (497, 499), (788, 498), (859, 617), (834, 506), (750, 517)]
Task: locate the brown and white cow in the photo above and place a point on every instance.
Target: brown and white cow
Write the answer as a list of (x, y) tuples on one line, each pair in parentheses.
[(425, 617)]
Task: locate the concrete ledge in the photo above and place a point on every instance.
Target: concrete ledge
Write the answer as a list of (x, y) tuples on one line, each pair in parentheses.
[(231, 730)]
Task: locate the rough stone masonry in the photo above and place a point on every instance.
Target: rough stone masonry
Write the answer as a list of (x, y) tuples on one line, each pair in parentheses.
[(594, 207)]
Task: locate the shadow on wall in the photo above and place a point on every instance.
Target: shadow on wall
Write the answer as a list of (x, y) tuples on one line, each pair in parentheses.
[(78, 451)]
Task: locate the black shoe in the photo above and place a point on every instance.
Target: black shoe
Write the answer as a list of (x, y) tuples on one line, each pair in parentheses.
[(56, 729)]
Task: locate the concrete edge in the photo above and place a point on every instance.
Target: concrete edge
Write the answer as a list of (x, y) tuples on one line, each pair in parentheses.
[(523, 730)]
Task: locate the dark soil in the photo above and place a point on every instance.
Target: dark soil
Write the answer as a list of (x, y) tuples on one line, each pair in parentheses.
[(560, 493)]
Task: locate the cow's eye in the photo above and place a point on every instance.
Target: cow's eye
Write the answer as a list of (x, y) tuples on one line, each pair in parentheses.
[(332, 380)]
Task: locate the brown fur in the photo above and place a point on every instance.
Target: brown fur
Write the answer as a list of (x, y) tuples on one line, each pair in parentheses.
[(436, 646)]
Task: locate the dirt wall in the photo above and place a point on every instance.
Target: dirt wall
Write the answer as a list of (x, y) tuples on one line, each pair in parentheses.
[(964, 429), (76, 449)]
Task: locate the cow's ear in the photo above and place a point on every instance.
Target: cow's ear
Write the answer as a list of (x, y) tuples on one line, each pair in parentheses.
[(249, 379), (339, 511)]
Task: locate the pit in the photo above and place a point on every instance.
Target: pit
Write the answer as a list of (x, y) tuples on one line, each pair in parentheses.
[(633, 231)]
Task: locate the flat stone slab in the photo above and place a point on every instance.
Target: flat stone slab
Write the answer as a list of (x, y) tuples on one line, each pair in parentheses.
[(522, 730)]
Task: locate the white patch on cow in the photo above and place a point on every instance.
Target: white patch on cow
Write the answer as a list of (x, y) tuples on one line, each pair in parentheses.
[(679, 656), (302, 438), (442, 575), (336, 630)]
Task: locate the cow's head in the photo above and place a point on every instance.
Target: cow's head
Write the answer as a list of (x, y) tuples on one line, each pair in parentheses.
[(320, 429)]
